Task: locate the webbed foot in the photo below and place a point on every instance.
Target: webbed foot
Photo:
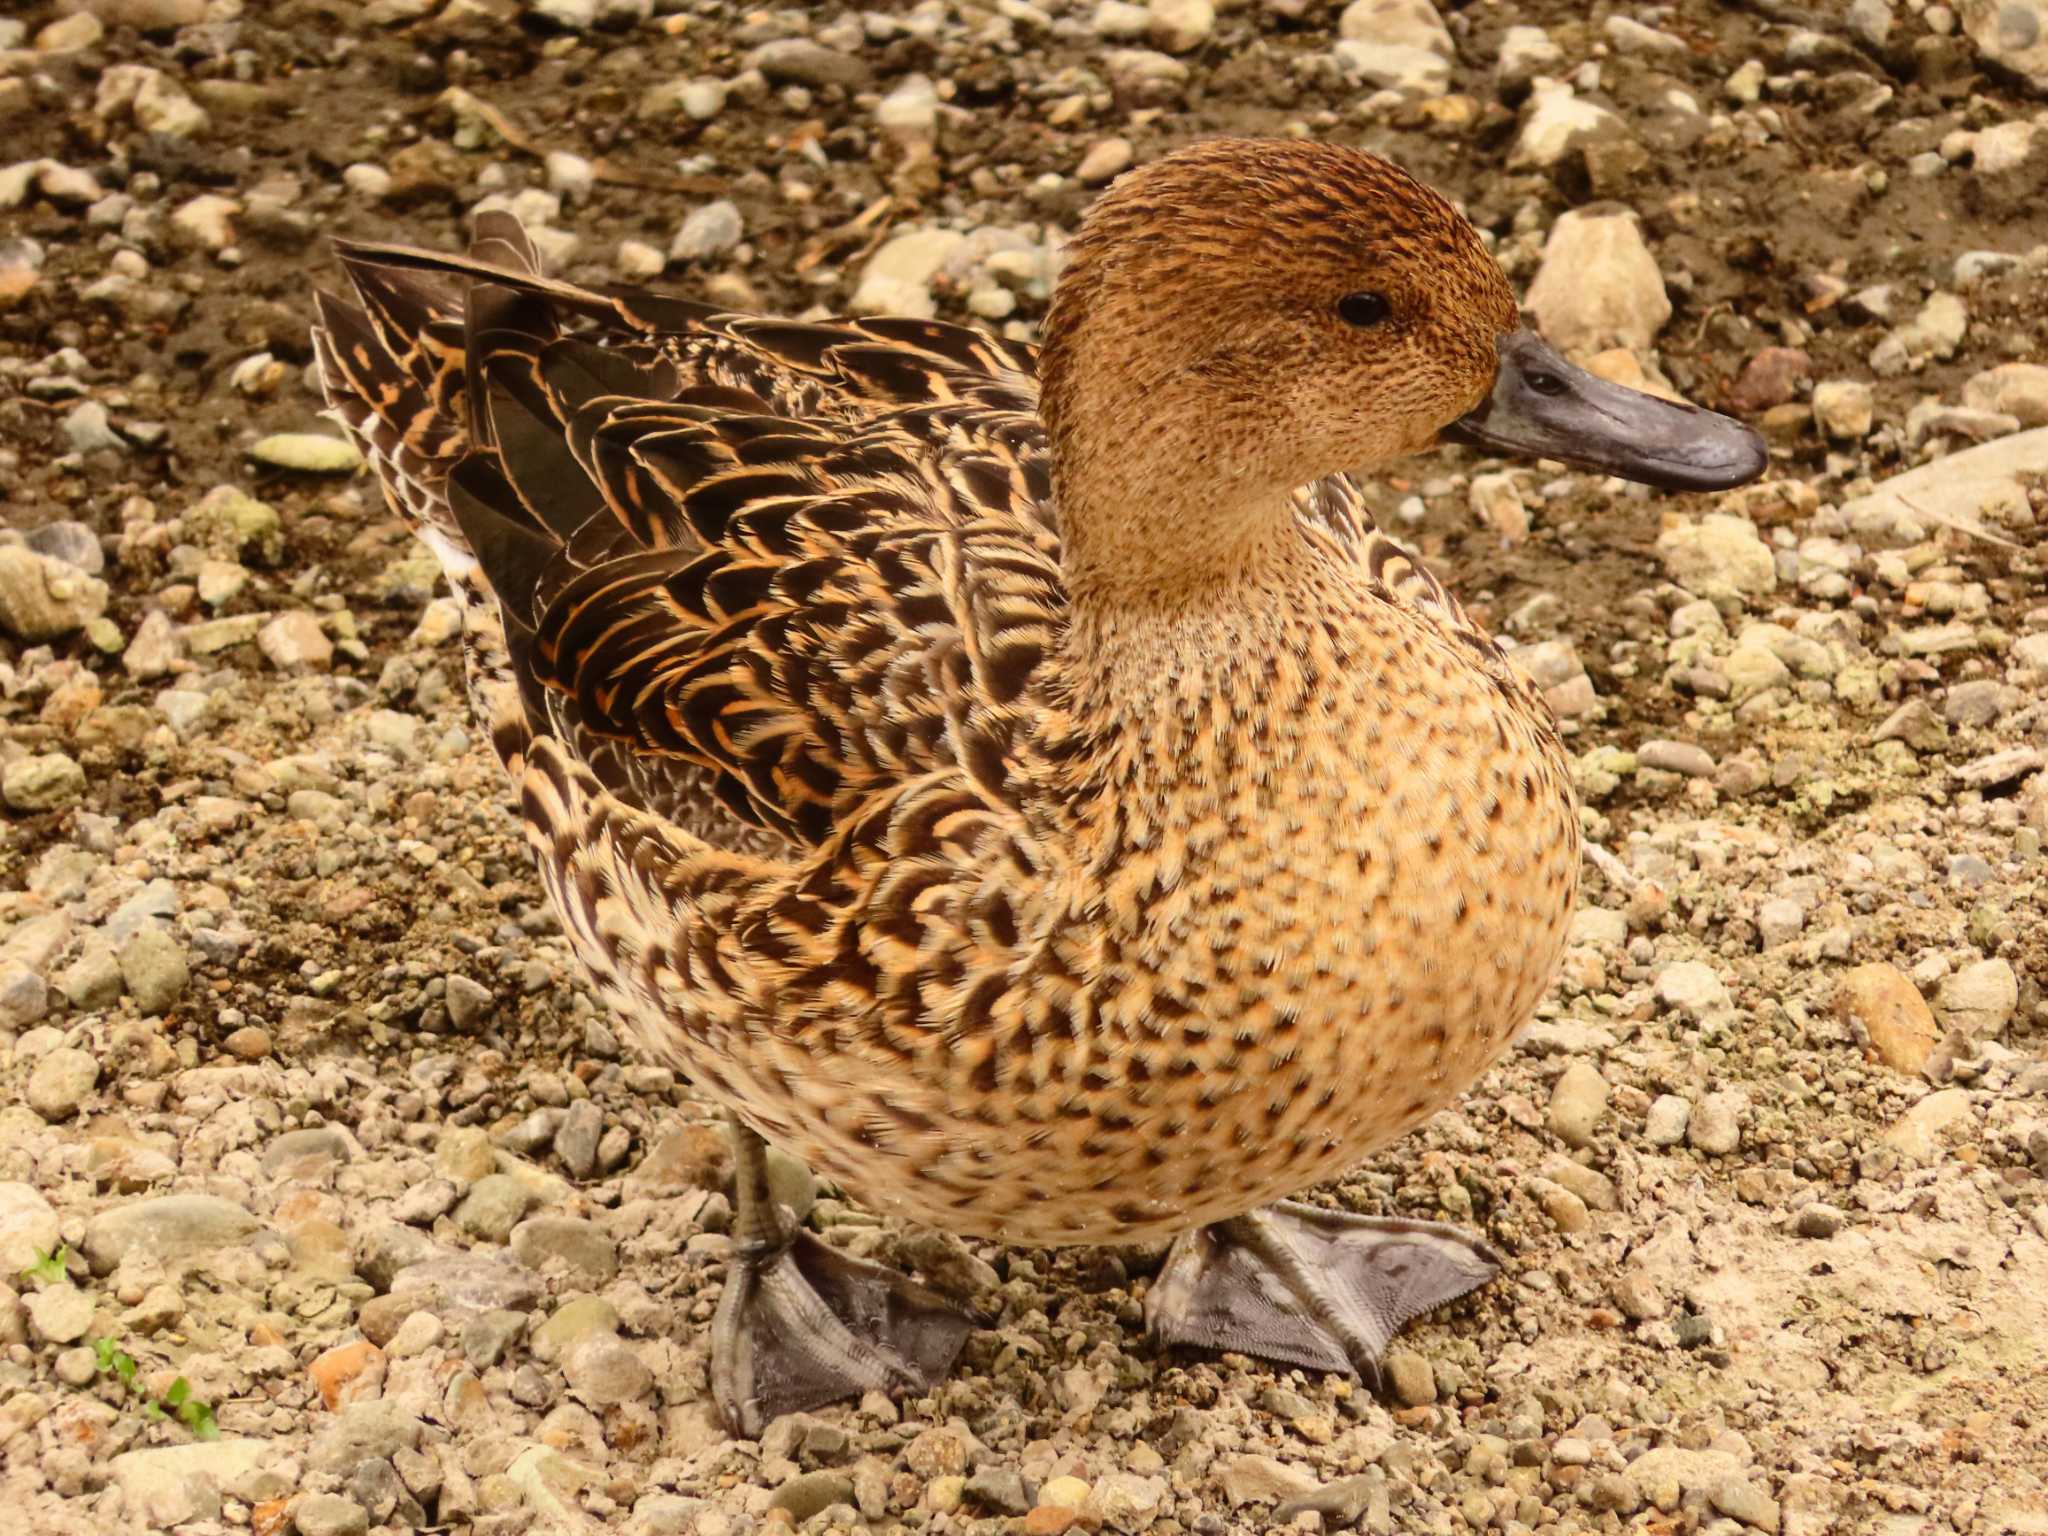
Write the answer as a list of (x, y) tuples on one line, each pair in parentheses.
[(1310, 1287), (801, 1323)]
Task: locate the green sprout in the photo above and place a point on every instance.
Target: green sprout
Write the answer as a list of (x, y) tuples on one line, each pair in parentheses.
[(48, 1268), (177, 1401)]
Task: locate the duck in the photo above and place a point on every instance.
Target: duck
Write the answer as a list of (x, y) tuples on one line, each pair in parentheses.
[(1022, 781)]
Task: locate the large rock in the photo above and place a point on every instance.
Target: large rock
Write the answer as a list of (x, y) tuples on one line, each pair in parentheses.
[(45, 599), (165, 1229), (1954, 491), (172, 1484), (2013, 35), (1599, 285)]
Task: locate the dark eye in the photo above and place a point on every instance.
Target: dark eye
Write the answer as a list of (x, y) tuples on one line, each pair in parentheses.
[(1546, 383), (1363, 309)]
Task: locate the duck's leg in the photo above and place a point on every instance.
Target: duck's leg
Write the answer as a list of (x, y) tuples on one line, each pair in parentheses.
[(1309, 1287), (802, 1324)]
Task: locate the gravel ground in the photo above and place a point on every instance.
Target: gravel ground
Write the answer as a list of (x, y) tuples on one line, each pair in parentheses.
[(302, 1105)]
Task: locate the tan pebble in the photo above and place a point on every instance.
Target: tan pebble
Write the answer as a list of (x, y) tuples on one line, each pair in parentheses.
[(348, 1373)]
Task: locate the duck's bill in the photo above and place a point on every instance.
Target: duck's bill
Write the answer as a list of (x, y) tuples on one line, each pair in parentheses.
[(1544, 407)]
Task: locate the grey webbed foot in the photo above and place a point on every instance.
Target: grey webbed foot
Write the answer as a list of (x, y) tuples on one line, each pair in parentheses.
[(1309, 1287), (801, 1323)]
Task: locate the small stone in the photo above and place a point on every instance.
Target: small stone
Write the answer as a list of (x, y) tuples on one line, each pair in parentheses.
[(711, 230), (1413, 1379), (1577, 1103), (577, 1139), (1553, 120), (295, 642), (60, 1314), (28, 1229), (1123, 1501), (604, 1371), (1979, 999), (43, 781), (1739, 1499), (43, 598), (154, 966), (310, 453), (1716, 1125), (799, 61), (1816, 1220), (998, 1490), (87, 430), (1105, 161), (1680, 757), (811, 1493), (1900, 1024), (1918, 1132), (1180, 26), (249, 1043), (469, 1002), (60, 1082), (580, 1247), (361, 1432), (1567, 1212), (1719, 557), (897, 278), (1771, 378), (1693, 989), (582, 1317), (2019, 390), (493, 1207), (348, 1373), (203, 223), (329, 1514)]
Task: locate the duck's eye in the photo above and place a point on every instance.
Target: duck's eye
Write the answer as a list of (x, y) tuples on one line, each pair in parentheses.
[(1363, 309), (1545, 383)]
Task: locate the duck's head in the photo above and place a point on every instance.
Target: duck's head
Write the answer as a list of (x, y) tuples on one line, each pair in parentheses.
[(1267, 312)]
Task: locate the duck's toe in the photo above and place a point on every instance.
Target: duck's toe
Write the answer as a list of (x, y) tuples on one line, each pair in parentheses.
[(1309, 1287), (802, 1324)]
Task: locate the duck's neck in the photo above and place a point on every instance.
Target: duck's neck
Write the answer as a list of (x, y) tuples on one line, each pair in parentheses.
[(1165, 501)]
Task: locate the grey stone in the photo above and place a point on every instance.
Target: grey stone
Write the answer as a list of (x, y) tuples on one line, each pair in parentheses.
[(60, 1314), (72, 542), (576, 1140), (360, 1431), (42, 781), (469, 1002), (579, 1246), (493, 1207), (487, 1336), (799, 61), (60, 1082), (329, 1514), (809, 1493), (1716, 1125), (168, 1228), (316, 1144), (153, 965), (711, 230), (604, 1371)]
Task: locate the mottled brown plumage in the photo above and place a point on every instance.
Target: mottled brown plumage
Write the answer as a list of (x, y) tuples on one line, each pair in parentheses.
[(1024, 785)]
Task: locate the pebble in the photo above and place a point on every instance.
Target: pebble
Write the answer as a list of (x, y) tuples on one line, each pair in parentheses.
[(812, 1493), (295, 642), (1577, 1103), (172, 1485), (1180, 26), (1716, 1124), (1123, 1501), (60, 1081), (60, 1314), (1664, 1125), (1553, 120), (1740, 1499), (1918, 1132), (711, 230), (42, 781), (28, 1228), (329, 1514), (897, 278), (1247, 1479), (1980, 999), (1680, 757), (796, 60), (2018, 390), (45, 599), (578, 1246), (1693, 989), (1818, 1219), (311, 453), (1105, 160), (154, 967), (605, 1371), (493, 1207)]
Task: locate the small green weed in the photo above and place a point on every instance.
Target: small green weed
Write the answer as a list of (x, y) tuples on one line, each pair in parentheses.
[(177, 1401), (48, 1268)]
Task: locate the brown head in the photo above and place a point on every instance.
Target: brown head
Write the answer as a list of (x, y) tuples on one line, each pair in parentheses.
[(1244, 316)]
